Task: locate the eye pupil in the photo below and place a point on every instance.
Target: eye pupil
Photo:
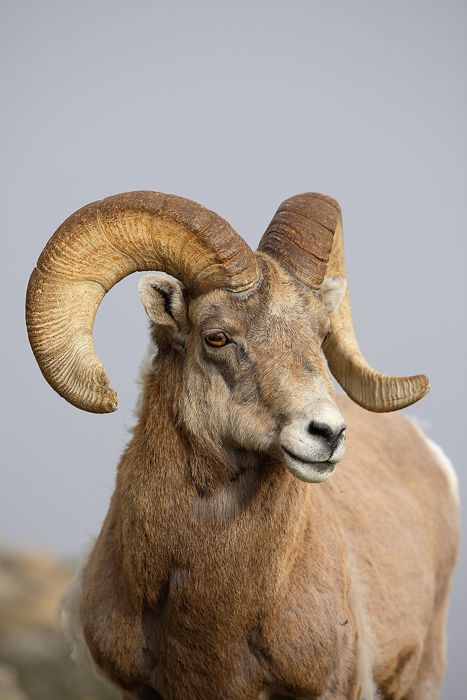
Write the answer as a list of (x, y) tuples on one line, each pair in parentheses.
[(216, 340)]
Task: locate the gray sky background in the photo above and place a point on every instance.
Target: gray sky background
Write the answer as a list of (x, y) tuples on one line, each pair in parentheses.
[(236, 105)]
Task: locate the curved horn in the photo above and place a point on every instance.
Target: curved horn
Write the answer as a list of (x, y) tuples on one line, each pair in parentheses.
[(300, 236), (306, 236), (97, 247)]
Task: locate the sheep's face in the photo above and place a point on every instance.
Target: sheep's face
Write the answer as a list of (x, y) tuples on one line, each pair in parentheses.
[(254, 376)]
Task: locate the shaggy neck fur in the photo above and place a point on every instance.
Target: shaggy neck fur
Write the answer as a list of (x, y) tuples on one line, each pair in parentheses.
[(209, 485), (196, 522)]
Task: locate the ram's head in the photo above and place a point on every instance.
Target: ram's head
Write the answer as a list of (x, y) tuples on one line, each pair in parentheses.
[(248, 330)]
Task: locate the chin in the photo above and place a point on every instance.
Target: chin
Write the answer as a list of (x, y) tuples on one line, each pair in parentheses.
[(312, 472)]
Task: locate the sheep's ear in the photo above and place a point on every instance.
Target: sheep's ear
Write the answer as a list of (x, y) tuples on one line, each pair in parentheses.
[(332, 292), (164, 302)]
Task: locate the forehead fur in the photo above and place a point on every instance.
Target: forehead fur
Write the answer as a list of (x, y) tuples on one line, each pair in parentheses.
[(278, 301)]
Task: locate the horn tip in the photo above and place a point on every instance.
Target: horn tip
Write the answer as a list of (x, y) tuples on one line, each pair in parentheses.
[(101, 402), (418, 386), (105, 403), (425, 385), (111, 403)]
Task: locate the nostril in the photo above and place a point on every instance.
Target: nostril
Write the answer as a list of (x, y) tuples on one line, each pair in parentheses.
[(321, 430), (325, 431), (340, 434)]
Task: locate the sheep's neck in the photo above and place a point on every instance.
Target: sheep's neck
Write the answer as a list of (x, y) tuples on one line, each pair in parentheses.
[(193, 509), (210, 573)]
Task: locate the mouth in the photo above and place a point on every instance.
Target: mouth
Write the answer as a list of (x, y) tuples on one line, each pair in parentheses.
[(312, 472)]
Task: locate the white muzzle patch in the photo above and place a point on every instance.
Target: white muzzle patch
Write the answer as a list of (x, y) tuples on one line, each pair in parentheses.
[(313, 443)]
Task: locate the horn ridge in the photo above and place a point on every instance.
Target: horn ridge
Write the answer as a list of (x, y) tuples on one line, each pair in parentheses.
[(300, 236)]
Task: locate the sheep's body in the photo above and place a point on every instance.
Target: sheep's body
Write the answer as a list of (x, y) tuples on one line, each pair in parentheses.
[(276, 588), (219, 574)]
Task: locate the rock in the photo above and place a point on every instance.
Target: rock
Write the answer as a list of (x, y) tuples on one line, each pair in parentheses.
[(35, 660)]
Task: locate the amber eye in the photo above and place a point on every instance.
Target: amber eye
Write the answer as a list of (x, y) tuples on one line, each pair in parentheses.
[(216, 340)]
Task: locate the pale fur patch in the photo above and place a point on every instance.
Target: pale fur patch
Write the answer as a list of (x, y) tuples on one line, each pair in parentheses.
[(332, 292), (441, 458), (144, 371), (229, 500), (447, 466), (366, 643), (69, 616)]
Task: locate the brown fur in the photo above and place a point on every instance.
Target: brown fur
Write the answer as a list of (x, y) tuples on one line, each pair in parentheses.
[(220, 575)]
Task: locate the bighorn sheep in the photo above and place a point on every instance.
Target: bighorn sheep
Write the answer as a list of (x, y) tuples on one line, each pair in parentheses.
[(219, 575)]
